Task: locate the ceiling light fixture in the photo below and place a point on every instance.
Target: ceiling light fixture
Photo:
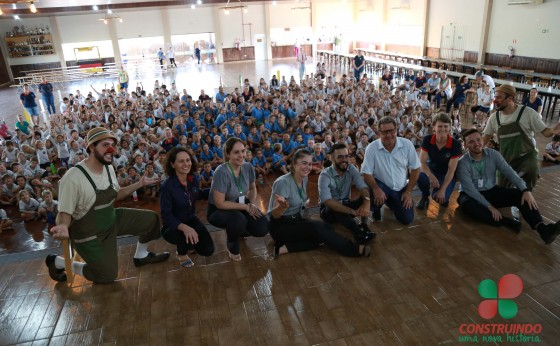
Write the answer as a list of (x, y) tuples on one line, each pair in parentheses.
[(1, 13), (16, 17), (14, 6), (110, 16), (32, 7), (241, 5), (199, 2), (95, 8), (193, 7)]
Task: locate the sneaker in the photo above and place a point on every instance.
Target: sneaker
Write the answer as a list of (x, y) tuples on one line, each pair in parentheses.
[(551, 231), (151, 258), (515, 213), (55, 273), (423, 203)]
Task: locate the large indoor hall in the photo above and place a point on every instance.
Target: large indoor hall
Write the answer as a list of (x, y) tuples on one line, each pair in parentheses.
[(445, 278)]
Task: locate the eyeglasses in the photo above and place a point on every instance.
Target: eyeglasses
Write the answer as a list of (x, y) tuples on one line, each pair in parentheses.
[(340, 157), (388, 132)]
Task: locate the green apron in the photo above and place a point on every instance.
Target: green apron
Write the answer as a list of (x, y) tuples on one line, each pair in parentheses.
[(89, 234), (519, 151)]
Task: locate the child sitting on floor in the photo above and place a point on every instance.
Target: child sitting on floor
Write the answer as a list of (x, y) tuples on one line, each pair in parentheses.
[(28, 206), (552, 150)]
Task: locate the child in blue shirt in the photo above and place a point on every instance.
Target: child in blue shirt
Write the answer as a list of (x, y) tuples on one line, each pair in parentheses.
[(260, 164), (278, 162)]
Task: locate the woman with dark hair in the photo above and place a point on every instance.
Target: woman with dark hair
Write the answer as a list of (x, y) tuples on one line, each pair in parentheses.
[(229, 201), (178, 194), (459, 94), (290, 229)]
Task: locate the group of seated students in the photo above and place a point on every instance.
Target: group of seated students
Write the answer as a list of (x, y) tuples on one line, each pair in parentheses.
[(226, 145)]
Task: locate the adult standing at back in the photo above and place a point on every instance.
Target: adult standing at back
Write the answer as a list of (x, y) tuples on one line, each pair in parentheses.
[(27, 99), (161, 57), (46, 89), (232, 197), (123, 79), (302, 58), (358, 63), (481, 76), (171, 57), (515, 126)]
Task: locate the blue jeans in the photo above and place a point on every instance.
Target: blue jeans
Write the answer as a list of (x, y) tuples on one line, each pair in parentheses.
[(32, 111), (357, 73), (424, 185), (49, 103), (403, 215), (438, 98), (456, 102)]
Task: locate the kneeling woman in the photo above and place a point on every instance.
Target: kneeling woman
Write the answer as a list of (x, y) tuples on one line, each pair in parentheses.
[(231, 198), (177, 202), (291, 231)]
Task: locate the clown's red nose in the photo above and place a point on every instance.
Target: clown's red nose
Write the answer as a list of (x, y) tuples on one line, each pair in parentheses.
[(110, 150)]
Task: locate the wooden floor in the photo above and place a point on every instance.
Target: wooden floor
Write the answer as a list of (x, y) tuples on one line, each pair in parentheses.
[(418, 287)]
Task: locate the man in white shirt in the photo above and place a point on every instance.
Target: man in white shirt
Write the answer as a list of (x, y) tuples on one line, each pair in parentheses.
[(385, 169)]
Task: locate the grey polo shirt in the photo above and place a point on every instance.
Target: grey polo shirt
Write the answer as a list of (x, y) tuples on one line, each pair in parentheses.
[(479, 176), (286, 187), (224, 182), (391, 168), (335, 186)]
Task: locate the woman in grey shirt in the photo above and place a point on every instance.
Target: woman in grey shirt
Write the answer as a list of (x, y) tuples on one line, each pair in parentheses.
[(291, 231), (229, 201)]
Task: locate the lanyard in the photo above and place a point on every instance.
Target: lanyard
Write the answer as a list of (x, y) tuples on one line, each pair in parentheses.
[(338, 188), (301, 191), (237, 180), (479, 166)]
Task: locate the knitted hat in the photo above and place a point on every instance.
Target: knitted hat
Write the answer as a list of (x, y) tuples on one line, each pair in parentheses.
[(507, 89), (99, 133)]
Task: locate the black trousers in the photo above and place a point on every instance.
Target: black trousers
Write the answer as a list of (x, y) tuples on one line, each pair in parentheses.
[(302, 235), (237, 224), (205, 245), (347, 220), (499, 197)]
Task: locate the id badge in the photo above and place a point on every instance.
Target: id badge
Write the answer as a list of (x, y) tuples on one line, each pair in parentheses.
[(242, 199), (480, 183)]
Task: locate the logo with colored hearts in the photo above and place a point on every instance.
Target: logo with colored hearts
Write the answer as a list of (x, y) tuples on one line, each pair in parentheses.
[(499, 298)]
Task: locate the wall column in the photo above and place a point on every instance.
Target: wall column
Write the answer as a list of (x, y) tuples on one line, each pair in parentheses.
[(57, 42), (267, 31), (384, 10), (115, 41), (166, 29), (425, 21), (486, 16), (314, 28), (218, 36)]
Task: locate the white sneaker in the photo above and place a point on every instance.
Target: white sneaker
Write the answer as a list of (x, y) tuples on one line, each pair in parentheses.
[(515, 213)]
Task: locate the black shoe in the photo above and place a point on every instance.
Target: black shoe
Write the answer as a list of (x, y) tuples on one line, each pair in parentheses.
[(512, 224), (376, 214), (551, 231), (423, 203), (151, 258), (55, 273), (366, 235), (446, 204)]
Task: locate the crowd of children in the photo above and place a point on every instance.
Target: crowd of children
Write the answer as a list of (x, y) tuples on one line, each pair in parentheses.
[(273, 119)]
